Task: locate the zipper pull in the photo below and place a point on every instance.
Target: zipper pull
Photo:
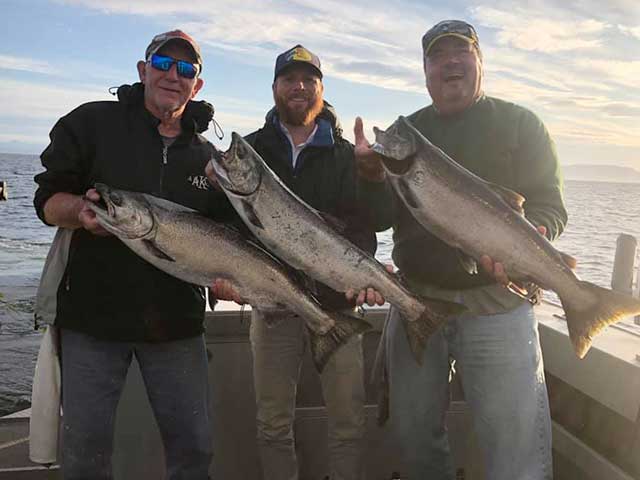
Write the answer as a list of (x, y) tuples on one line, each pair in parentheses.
[(164, 154)]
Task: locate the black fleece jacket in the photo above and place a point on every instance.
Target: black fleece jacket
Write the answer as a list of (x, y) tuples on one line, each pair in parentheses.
[(108, 291)]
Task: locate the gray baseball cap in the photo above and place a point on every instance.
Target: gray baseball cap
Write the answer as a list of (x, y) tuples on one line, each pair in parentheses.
[(162, 39), (454, 28)]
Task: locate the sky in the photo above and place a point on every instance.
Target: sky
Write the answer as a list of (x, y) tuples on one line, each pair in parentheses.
[(575, 63)]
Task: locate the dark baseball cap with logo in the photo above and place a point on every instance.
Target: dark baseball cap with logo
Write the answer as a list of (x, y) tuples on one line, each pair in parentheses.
[(297, 55), (446, 28), (162, 39)]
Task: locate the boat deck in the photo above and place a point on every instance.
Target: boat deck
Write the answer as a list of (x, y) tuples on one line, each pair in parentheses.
[(595, 405)]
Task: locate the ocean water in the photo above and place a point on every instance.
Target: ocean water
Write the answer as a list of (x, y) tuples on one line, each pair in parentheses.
[(599, 212)]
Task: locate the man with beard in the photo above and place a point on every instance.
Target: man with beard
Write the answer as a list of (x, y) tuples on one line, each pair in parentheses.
[(302, 143), (495, 345)]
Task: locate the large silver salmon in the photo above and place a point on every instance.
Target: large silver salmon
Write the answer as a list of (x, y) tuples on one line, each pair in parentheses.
[(470, 214), (309, 241), (193, 248)]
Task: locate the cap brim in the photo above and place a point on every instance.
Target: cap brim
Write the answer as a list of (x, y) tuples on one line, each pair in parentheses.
[(448, 34), (295, 63), (181, 40)]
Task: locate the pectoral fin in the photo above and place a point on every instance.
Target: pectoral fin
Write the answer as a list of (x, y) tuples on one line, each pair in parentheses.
[(514, 199), (155, 250), (468, 263), (250, 215)]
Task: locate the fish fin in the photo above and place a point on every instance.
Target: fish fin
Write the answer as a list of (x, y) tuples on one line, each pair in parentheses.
[(407, 194), (468, 263), (436, 313), (514, 199), (155, 250), (250, 214), (569, 261), (323, 346), (586, 321)]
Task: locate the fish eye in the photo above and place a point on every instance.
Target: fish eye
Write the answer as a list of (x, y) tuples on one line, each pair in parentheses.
[(116, 199)]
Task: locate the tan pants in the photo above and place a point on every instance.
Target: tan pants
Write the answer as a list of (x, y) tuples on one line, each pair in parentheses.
[(277, 357)]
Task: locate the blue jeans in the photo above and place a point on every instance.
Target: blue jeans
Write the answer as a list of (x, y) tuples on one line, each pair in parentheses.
[(500, 363), (93, 376)]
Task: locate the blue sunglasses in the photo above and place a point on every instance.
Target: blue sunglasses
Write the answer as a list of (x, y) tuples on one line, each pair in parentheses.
[(185, 69)]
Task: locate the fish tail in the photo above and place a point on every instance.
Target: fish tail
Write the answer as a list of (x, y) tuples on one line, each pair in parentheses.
[(323, 346), (435, 314), (586, 321)]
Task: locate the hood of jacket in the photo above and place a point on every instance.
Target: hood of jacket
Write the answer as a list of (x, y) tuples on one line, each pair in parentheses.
[(197, 113)]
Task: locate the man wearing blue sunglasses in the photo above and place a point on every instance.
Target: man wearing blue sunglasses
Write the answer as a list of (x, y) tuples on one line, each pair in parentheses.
[(111, 304)]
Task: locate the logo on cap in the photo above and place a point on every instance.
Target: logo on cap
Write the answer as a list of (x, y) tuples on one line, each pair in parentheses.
[(300, 54), (295, 55)]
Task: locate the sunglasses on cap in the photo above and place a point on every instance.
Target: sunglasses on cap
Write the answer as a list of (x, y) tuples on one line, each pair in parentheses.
[(164, 63)]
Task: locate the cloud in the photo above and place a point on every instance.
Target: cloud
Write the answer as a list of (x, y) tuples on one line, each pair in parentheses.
[(625, 73), (540, 33), (557, 58), (45, 101), (8, 62), (631, 31)]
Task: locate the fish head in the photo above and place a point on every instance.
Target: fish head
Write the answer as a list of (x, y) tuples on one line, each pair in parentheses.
[(239, 169), (124, 214), (397, 146)]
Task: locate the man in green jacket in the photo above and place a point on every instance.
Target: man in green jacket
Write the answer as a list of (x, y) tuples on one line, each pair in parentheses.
[(495, 345)]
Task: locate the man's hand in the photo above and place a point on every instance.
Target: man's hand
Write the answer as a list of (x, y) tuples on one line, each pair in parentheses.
[(370, 295), (496, 269), (222, 289), (87, 217), (368, 163)]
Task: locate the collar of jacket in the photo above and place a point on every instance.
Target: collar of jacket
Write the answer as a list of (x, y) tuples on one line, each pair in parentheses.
[(196, 116), (456, 116), (322, 138)]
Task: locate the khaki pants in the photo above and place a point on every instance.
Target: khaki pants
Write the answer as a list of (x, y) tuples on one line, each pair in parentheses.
[(277, 357)]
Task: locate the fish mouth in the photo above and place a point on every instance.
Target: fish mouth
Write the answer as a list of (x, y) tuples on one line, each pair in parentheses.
[(223, 178), (111, 213), (104, 207), (396, 152), (395, 166), (238, 149)]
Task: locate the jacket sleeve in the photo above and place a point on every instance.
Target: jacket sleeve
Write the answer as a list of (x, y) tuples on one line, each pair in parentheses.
[(66, 166), (538, 176)]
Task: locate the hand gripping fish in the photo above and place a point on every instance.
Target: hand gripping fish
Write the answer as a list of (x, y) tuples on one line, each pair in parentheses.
[(309, 241), (468, 213), (193, 248)]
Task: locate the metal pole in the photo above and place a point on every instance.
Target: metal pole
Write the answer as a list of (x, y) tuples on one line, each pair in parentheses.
[(623, 266)]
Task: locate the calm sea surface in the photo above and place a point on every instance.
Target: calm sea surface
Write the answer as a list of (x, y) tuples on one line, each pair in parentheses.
[(599, 212)]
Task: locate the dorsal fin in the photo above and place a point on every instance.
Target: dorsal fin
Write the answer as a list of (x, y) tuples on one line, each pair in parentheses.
[(570, 261)]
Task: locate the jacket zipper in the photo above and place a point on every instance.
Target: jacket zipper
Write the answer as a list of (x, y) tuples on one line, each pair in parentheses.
[(165, 153)]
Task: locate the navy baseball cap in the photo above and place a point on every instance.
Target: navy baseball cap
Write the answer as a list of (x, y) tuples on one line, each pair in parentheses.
[(297, 55)]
